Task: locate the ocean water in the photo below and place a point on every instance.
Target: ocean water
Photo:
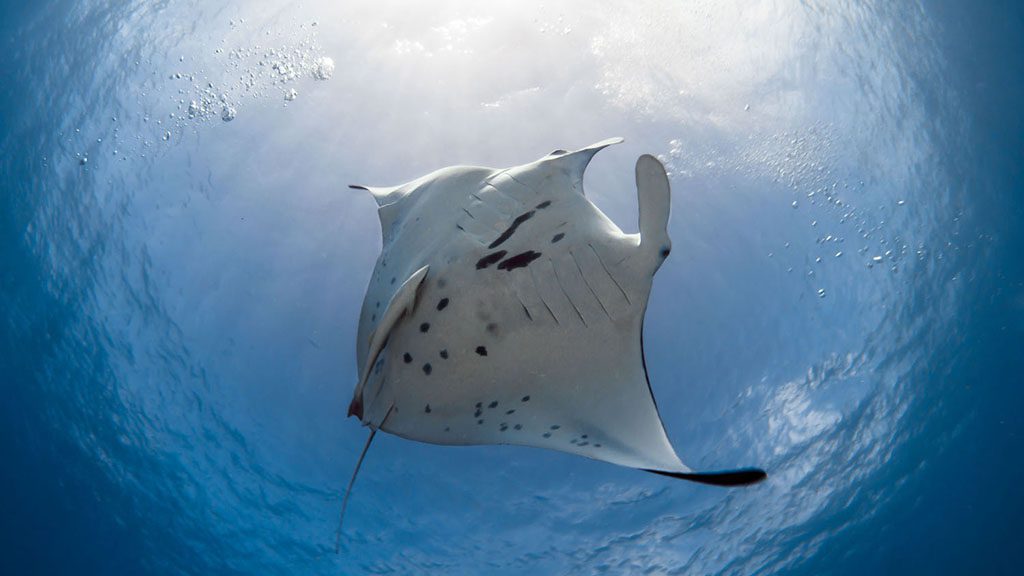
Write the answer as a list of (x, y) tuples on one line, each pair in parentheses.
[(182, 267)]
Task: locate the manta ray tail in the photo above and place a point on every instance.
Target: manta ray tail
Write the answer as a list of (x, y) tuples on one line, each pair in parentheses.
[(348, 491), (741, 477)]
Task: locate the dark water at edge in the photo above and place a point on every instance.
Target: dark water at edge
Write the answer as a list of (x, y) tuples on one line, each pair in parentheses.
[(969, 477)]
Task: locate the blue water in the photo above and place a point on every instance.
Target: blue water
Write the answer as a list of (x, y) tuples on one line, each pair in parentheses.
[(180, 293)]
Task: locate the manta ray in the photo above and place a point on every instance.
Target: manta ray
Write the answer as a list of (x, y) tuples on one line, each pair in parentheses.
[(506, 308)]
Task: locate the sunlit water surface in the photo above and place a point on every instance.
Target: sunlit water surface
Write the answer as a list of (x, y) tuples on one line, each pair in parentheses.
[(182, 268)]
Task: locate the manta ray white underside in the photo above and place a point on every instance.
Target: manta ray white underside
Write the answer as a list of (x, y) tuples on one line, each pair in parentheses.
[(506, 308)]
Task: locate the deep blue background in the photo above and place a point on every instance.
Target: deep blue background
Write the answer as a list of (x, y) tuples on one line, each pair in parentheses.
[(178, 318)]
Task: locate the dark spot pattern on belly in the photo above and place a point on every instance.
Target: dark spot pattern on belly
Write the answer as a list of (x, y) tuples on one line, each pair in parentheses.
[(511, 229), (489, 259), (521, 260)]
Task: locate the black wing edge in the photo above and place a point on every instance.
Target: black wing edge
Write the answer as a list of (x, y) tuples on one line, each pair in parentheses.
[(741, 477)]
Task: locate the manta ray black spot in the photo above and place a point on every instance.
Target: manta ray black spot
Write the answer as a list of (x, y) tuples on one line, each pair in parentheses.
[(492, 328), (504, 427), (526, 398), (546, 434), (511, 229), (544, 204), (479, 404), (510, 411), (427, 368), (518, 426), (373, 318), (558, 237), (407, 357), (555, 427), (393, 279), (442, 304), (493, 404), (480, 421), (481, 351), (490, 259), (665, 252), (477, 413), (427, 409), (518, 261), (424, 327), (444, 354), (597, 445), (584, 436), (583, 443), (447, 428)]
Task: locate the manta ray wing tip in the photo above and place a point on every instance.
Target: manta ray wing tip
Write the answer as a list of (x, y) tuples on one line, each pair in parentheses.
[(739, 477), (606, 142)]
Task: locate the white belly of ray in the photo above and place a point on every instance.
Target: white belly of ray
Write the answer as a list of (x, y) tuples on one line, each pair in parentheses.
[(526, 327)]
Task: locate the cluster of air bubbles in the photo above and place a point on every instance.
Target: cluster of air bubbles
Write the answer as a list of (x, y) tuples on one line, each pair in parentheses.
[(253, 72), (219, 85), (837, 211)]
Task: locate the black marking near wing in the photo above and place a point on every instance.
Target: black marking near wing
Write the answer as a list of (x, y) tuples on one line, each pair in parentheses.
[(741, 477), (511, 229), (518, 261), (490, 259)]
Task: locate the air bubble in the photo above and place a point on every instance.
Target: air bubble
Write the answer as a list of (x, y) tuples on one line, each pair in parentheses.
[(324, 68)]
